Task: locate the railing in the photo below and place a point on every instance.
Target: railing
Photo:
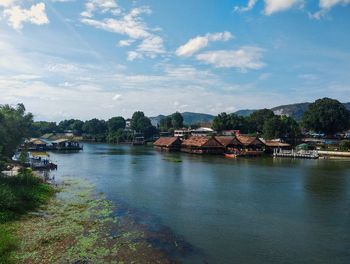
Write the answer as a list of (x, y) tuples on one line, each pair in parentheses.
[(306, 154)]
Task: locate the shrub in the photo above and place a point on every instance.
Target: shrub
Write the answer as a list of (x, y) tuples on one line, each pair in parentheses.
[(7, 245)]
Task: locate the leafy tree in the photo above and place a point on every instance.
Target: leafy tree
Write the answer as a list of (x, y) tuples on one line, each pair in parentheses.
[(142, 124), (40, 128), (15, 126), (177, 120), (257, 119), (116, 136), (326, 116), (281, 127), (221, 122), (116, 123), (165, 123), (96, 128)]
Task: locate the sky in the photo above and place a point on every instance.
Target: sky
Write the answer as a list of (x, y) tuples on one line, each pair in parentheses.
[(103, 58)]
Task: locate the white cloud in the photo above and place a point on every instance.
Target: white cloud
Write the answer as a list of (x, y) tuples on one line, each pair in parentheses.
[(245, 58), (250, 5), (104, 6), (132, 25), (116, 97), (326, 6), (7, 3), (274, 6), (200, 42), (125, 42), (16, 15)]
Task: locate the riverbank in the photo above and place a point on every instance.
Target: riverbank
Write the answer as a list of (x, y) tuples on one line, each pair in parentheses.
[(78, 226)]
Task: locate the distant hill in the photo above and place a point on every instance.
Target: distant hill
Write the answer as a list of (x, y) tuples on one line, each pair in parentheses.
[(189, 118), (244, 112), (294, 110)]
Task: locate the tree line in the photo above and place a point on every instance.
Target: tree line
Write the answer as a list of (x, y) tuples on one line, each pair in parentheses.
[(324, 116)]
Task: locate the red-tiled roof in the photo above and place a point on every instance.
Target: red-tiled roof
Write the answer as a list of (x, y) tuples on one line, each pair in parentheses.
[(167, 141), (225, 141), (202, 142), (247, 140)]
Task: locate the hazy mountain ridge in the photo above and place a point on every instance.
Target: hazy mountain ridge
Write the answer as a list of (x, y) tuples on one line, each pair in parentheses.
[(294, 110)]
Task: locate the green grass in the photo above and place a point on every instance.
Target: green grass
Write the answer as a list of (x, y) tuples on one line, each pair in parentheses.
[(7, 244), (18, 195), (21, 194)]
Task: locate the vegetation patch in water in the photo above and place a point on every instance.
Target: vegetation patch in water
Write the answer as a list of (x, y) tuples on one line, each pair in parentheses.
[(79, 227)]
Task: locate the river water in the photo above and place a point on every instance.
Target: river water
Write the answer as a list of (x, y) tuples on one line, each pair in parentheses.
[(208, 209)]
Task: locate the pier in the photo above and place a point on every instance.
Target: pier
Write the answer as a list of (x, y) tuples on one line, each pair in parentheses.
[(301, 154)]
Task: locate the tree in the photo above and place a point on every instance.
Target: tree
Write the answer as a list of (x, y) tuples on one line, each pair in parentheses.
[(40, 128), (177, 120), (281, 127), (221, 122), (257, 119), (116, 123), (327, 116), (165, 123), (142, 124), (96, 129), (15, 126)]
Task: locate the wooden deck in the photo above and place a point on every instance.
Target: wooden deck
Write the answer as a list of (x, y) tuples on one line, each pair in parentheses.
[(301, 154)]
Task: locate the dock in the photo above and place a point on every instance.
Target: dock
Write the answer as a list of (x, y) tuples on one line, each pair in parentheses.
[(300, 154)]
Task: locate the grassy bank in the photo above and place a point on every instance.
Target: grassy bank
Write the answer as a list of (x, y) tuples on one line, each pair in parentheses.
[(18, 195), (79, 226)]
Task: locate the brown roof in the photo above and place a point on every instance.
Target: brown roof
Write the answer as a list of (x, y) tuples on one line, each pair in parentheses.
[(167, 141), (202, 142), (247, 140), (226, 141), (271, 143)]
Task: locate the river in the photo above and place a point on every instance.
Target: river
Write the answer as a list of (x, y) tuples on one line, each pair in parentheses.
[(217, 210)]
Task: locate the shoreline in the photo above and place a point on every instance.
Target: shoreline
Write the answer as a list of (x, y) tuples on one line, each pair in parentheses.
[(79, 226)]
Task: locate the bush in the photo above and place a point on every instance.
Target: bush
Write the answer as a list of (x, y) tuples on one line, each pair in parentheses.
[(344, 145), (20, 194), (7, 245)]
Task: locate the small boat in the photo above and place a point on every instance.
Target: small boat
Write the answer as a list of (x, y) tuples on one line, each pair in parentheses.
[(230, 155)]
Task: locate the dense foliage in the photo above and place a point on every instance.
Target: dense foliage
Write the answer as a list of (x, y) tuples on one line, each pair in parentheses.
[(174, 121), (326, 116), (263, 121), (15, 125)]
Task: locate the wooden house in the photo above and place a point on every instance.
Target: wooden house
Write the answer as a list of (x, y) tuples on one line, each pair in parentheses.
[(66, 144), (230, 143), (202, 145), (271, 145), (168, 144)]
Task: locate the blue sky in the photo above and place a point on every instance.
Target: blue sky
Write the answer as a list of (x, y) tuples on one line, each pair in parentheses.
[(103, 58)]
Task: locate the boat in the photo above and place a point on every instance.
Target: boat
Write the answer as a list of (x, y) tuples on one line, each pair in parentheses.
[(230, 155)]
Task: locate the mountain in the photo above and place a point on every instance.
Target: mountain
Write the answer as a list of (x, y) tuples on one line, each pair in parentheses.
[(293, 110), (244, 112), (189, 118)]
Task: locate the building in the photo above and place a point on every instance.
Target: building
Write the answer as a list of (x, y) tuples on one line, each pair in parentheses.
[(66, 144), (168, 144), (250, 143), (37, 144), (230, 132), (202, 131), (182, 133), (271, 145), (229, 143), (202, 145)]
